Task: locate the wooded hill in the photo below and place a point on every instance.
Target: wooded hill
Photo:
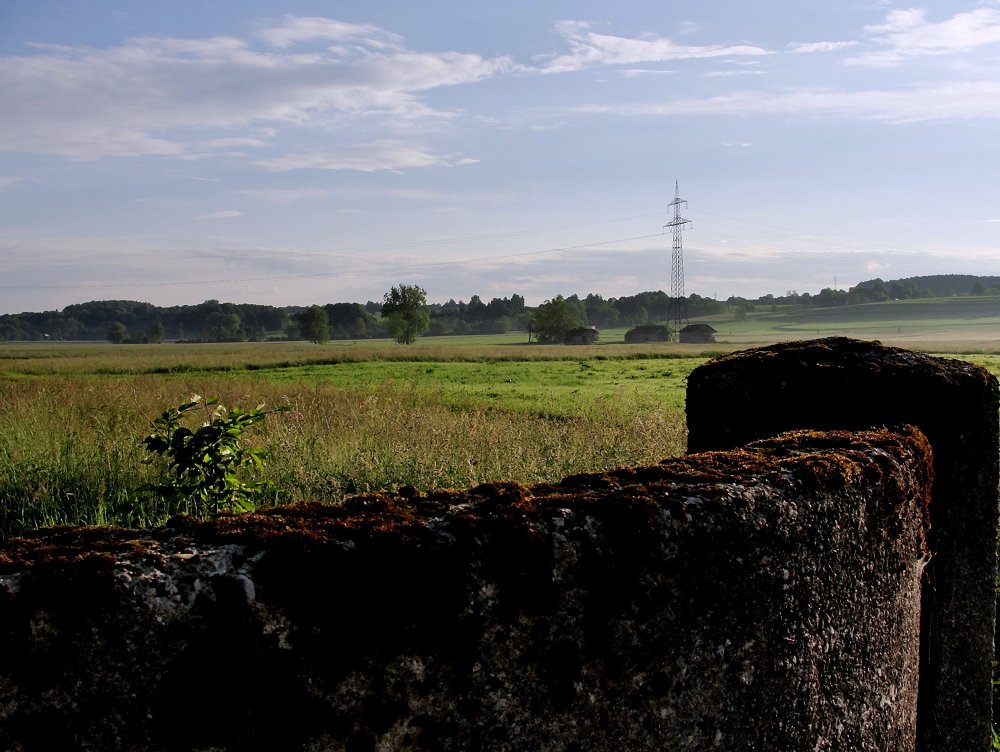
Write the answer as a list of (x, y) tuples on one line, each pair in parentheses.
[(132, 321)]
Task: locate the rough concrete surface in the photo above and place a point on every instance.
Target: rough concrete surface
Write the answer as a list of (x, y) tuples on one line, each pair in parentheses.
[(765, 599), (840, 383)]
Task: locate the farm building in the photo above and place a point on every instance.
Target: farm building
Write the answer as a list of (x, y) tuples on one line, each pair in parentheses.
[(581, 335), (647, 333), (697, 333)]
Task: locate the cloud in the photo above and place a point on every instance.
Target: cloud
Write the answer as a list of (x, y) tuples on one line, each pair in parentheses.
[(946, 101), (234, 142), (145, 96), (369, 157), (300, 29), (728, 73), (219, 215), (820, 46), (907, 34), (285, 195), (588, 49), (636, 72), (8, 180)]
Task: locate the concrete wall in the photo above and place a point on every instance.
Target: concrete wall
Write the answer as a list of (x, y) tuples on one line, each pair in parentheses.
[(840, 383), (765, 598)]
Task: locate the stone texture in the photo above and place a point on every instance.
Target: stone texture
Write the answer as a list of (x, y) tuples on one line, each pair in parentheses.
[(765, 598), (841, 383)]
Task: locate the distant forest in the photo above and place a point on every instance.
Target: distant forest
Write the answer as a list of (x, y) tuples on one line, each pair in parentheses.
[(212, 321)]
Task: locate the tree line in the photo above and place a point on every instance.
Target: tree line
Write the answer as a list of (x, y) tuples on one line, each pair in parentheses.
[(126, 321)]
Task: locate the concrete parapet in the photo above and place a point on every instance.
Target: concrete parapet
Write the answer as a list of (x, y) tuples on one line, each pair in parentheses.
[(765, 598), (841, 383)]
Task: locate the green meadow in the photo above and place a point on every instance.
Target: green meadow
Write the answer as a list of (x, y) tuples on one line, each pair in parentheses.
[(954, 324), (363, 418), (371, 415)]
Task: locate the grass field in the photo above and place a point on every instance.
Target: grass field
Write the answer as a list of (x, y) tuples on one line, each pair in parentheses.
[(957, 324), (369, 415), (364, 418)]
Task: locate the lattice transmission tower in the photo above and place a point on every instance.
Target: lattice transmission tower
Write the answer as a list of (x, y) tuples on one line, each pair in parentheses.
[(678, 301)]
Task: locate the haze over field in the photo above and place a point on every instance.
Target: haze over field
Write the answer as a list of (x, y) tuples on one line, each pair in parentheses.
[(303, 152)]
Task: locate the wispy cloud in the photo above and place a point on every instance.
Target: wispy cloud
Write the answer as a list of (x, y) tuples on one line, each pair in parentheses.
[(636, 72), (908, 34), (369, 157), (219, 215), (293, 30), (145, 96), (588, 49), (952, 100), (9, 180), (805, 47), (739, 72), (285, 195), (236, 142)]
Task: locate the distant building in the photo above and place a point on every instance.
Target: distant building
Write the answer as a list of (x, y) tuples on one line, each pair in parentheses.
[(582, 335), (647, 333), (697, 334)]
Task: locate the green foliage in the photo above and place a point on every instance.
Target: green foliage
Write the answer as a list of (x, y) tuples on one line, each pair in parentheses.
[(117, 333), (405, 310), (553, 319), (226, 327), (157, 333), (203, 466), (314, 323)]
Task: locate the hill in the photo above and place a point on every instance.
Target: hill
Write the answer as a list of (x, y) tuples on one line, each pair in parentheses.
[(937, 285), (973, 321)]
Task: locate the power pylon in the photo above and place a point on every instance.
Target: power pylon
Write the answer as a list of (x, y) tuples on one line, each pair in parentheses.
[(678, 302)]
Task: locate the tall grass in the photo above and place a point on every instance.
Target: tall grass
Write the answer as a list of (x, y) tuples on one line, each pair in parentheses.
[(70, 452)]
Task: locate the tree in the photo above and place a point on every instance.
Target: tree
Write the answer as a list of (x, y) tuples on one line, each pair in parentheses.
[(117, 333), (404, 309), (314, 323), (476, 310), (225, 327), (157, 333), (553, 319)]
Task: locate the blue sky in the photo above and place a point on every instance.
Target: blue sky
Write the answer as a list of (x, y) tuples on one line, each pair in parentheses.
[(305, 152)]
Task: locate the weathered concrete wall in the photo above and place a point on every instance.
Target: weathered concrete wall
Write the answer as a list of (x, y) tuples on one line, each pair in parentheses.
[(849, 384), (759, 599)]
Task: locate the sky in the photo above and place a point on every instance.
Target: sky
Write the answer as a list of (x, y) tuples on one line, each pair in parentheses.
[(295, 152)]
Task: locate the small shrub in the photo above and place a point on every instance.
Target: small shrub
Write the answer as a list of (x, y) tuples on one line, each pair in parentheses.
[(203, 466)]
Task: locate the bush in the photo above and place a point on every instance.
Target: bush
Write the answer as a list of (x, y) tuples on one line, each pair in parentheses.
[(203, 466)]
